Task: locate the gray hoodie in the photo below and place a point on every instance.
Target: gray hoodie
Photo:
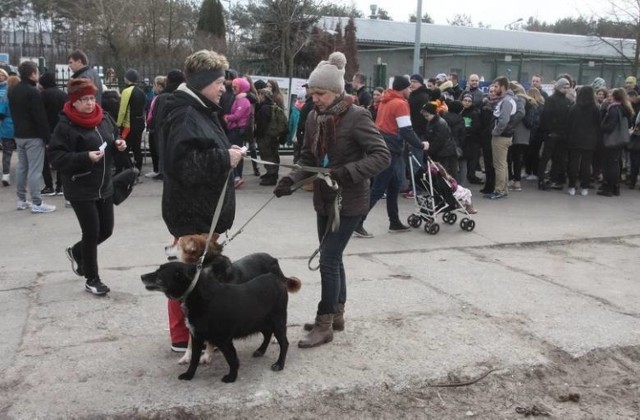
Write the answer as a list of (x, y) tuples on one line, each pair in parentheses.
[(503, 112)]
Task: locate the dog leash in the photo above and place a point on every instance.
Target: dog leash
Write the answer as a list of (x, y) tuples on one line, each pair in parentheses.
[(318, 173), (214, 222)]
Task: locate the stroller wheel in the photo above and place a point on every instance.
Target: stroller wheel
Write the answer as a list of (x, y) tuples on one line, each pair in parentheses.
[(414, 221), (432, 228), (449, 218), (470, 225)]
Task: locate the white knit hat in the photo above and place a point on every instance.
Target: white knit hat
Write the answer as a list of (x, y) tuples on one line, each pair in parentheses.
[(329, 75)]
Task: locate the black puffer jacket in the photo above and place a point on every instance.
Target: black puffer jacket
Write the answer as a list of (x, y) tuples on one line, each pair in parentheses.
[(196, 165), (438, 134), (82, 179), (584, 126)]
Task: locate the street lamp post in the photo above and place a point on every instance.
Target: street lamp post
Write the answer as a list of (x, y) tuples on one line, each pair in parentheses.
[(510, 25), (416, 47)]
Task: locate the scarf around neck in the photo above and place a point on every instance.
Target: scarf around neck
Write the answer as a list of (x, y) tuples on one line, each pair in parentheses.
[(327, 121), (82, 119)]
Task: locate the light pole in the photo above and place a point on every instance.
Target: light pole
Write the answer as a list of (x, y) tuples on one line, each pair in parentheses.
[(416, 47), (509, 25)]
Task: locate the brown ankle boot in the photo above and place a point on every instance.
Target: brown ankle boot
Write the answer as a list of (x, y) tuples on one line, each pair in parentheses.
[(321, 333), (338, 320)]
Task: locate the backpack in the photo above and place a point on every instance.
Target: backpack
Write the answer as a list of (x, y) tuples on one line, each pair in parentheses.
[(278, 126), (531, 116)]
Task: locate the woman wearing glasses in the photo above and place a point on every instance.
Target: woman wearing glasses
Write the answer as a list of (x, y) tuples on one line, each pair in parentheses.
[(82, 149)]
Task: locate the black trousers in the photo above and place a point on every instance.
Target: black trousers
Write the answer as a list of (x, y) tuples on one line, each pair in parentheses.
[(580, 165), (515, 160), (489, 171), (153, 150), (634, 157), (96, 222), (611, 158)]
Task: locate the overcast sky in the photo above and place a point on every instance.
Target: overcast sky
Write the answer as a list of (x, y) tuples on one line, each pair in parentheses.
[(496, 13)]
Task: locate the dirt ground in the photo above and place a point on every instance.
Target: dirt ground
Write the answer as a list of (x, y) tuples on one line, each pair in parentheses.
[(600, 385)]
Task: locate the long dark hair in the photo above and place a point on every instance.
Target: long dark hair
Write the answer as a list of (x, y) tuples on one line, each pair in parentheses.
[(586, 96)]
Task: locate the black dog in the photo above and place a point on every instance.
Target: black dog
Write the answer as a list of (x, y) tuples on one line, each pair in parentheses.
[(218, 312)]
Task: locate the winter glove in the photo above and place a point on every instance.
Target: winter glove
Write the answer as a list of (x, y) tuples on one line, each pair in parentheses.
[(283, 187), (340, 175)]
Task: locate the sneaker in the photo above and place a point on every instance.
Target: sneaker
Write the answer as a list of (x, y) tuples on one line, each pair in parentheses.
[(5, 180), (470, 209), (151, 174), (476, 181), (496, 195), (180, 347), (67, 204), (59, 191), (584, 192), (360, 232), (43, 208), (571, 191), (96, 287), (48, 191), (398, 228), (531, 177), (75, 264), (138, 180), (23, 205), (238, 182), (409, 194), (556, 186), (516, 186)]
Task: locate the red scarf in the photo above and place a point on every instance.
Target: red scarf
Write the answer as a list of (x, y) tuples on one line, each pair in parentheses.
[(82, 119)]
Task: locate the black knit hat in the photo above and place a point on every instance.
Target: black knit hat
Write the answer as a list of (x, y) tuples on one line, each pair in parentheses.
[(430, 108), (400, 83)]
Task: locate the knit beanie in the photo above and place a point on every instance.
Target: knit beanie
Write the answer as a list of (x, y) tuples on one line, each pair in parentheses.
[(597, 83), (631, 79), (175, 77), (562, 82), (241, 84), (77, 88), (417, 78), (329, 75), (259, 84), (132, 75), (400, 83), (47, 80), (430, 108), (441, 77)]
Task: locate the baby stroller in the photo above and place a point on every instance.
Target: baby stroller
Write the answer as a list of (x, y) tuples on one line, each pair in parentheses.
[(435, 198)]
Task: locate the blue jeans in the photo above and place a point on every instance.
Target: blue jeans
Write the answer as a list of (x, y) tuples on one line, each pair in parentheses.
[(333, 277), (389, 181), (29, 170)]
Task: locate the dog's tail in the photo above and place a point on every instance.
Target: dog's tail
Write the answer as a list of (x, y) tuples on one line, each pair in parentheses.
[(293, 284)]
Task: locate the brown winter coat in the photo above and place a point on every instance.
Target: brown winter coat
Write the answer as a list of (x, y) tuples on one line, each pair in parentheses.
[(359, 147)]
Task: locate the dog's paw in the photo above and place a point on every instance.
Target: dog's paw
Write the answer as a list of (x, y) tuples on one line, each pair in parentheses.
[(258, 353), (227, 379), (206, 358), (277, 367), (186, 358), (186, 376)]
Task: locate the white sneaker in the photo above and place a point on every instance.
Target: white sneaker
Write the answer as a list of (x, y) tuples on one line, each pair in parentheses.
[(23, 205), (584, 192), (531, 177), (151, 174), (43, 208), (5, 180), (571, 191)]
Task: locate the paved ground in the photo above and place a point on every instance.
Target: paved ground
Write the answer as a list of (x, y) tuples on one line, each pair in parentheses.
[(545, 291)]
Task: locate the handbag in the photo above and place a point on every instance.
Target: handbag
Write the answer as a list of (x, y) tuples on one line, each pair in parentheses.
[(619, 136), (123, 184)]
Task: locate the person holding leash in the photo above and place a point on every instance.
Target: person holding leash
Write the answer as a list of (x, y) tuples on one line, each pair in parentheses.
[(197, 159), (341, 137)]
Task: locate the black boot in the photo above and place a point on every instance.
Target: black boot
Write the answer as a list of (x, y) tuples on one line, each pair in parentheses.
[(256, 170), (270, 179)]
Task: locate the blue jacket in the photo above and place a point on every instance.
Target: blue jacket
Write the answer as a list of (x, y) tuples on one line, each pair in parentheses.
[(6, 122)]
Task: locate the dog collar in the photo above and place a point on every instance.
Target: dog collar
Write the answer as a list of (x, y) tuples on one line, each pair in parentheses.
[(192, 285)]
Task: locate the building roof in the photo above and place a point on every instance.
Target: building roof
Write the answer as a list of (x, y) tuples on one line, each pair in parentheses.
[(387, 33)]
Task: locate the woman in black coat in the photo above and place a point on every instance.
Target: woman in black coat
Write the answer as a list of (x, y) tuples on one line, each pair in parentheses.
[(442, 148), (82, 149), (616, 120), (584, 131)]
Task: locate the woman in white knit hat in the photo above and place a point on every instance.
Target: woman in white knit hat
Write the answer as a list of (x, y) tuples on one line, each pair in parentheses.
[(342, 137)]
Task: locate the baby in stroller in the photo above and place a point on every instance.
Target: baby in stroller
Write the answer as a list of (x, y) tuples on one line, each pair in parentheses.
[(439, 175)]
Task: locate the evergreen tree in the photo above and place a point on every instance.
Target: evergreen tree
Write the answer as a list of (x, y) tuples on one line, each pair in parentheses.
[(351, 49), (211, 18)]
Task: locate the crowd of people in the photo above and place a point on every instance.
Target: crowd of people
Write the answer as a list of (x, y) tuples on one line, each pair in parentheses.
[(202, 121)]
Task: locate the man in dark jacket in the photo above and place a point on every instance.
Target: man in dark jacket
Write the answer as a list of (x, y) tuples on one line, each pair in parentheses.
[(53, 100), (554, 124), (197, 162), (31, 134), (79, 65), (359, 82), (131, 120)]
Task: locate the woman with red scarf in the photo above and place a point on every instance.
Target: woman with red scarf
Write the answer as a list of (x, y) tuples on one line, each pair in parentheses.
[(82, 149)]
